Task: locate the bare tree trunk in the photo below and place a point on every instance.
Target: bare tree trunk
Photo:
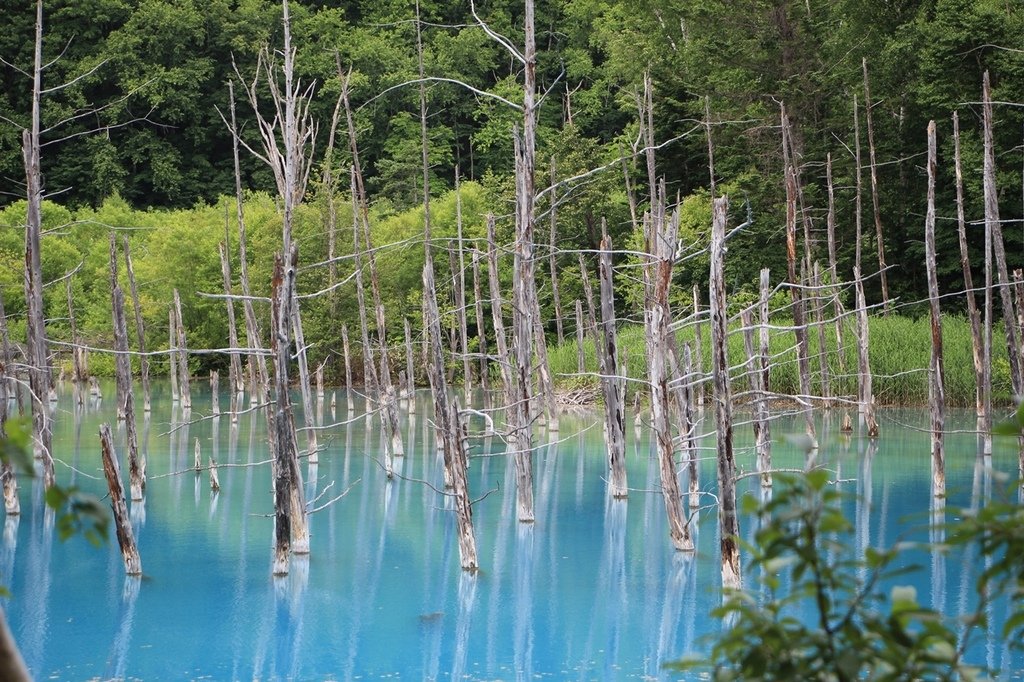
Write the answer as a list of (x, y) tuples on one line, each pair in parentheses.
[(446, 414), (308, 415), (140, 329), (612, 383), (819, 313), (36, 344), (833, 268), (764, 444), (580, 364), (78, 373), (973, 316), (183, 373), (260, 393), (288, 479), (348, 370), (754, 377), (659, 350), (728, 521), (235, 382), (410, 372), (556, 299), (478, 303), (497, 316), (8, 477), (857, 204), (689, 429), (799, 321), (460, 293), (867, 398), (999, 251), (698, 349), (874, 190), (123, 370), (122, 523), (172, 353), (215, 392), (936, 383)]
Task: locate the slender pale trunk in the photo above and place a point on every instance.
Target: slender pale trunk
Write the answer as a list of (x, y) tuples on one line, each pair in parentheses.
[(612, 383), (37, 349), (659, 350), (478, 304), (994, 225), (182, 348), (799, 321), (833, 268), (308, 415), (260, 392), (936, 384), (973, 315), (728, 520), (172, 353), (460, 292), (867, 398), (348, 370), (235, 382), (556, 298), (140, 329), (123, 371), (874, 190), (764, 444), (446, 413)]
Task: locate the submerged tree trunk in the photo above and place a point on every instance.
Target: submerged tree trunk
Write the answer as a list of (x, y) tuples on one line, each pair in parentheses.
[(122, 523), (36, 346), (123, 370), (973, 315), (140, 330), (728, 520), (936, 380), (612, 383), (659, 350), (183, 372)]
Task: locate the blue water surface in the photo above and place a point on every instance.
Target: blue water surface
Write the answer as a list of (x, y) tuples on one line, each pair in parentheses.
[(592, 590)]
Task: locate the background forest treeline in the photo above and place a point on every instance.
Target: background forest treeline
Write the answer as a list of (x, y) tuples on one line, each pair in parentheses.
[(161, 166)]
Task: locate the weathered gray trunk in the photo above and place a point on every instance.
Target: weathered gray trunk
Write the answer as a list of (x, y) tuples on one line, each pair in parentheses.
[(235, 383), (764, 444), (819, 319), (580, 363), (698, 350), (689, 430), (874, 190), (123, 372), (460, 293), (936, 383), (799, 319), (994, 225), (754, 377), (410, 372), (612, 381), (659, 350), (8, 478), (497, 315), (866, 395), (728, 520), (308, 415), (215, 392), (478, 304), (140, 329), (973, 315), (183, 373), (122, 523), (348, 370), (833, 267), (172, 354), (556, 299), (36, 346), (290, 507)]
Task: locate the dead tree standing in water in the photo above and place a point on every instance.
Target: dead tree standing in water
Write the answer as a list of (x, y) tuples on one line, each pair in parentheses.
[(664, 236), (936, 383), (728, 520)]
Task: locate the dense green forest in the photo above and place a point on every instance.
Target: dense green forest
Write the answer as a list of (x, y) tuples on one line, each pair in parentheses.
[(142, 146)]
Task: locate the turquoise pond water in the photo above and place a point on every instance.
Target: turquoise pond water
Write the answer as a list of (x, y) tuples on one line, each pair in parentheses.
[(593, 590)]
